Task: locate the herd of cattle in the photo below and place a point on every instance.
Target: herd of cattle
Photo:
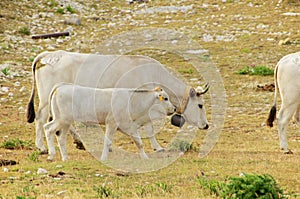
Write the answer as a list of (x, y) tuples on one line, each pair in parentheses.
[(127, 92)]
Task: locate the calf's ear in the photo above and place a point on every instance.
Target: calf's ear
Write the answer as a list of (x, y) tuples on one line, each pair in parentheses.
[(157, 89)]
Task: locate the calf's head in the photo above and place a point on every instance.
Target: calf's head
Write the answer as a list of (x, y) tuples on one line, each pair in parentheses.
[(163, 100)]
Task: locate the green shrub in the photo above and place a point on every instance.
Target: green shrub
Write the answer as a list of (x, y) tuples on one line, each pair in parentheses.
[(256, 70), (247, 186)]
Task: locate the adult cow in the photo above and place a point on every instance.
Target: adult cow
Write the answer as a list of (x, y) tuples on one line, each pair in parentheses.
[(107, 71), (120, 109), (287, 81)]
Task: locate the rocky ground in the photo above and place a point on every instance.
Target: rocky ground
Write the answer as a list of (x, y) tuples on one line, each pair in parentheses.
[(235, 33)]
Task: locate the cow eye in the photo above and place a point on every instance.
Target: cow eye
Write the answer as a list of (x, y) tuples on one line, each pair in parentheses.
[(200, 106), (166, 99)]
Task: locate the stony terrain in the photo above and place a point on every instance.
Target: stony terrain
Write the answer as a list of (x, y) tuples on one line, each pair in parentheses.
[(235, 33)]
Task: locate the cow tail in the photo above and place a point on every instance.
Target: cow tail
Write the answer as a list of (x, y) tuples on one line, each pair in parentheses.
[(272, 113), (30, 114)]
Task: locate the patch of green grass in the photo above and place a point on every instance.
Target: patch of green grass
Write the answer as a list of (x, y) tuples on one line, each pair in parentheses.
[(17, 144), (256, 70), (6, 71), (186, 71), (247, 186), (34, 156), (181, 145), (104, 192), (60, 10), (24, 31), (245, 50), (70, 9)]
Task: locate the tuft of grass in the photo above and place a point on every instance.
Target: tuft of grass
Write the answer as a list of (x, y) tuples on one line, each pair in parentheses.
[(24, 31), (6, 71), (104, 192), (17, 144), (256, 70), (60, 10), (70, 9), (246, 186), (186, 71), (34, 156), (181, 145)]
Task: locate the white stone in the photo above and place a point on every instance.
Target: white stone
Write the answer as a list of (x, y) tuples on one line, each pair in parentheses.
[(41, 171)]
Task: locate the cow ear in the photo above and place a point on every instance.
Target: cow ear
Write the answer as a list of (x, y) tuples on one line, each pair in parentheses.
[(192, 92), (157, 89)]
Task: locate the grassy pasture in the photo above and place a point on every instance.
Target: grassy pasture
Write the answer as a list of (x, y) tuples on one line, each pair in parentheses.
[(236, 34)]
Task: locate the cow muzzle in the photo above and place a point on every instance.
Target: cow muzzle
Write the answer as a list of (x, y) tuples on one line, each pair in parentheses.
[(177, 120)]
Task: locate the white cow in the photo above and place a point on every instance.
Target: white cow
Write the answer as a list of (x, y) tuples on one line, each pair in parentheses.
[(287, 81), (118, 108), (110, 71)]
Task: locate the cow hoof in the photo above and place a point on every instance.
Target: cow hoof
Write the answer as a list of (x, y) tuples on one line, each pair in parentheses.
[(79, 145), (289, 151), (49, 160), (44, 152)]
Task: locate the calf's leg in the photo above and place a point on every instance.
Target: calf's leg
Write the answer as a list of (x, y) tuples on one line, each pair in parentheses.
[(50, 129), (62, 142), (155, 145), (138, 141), (108, 138)]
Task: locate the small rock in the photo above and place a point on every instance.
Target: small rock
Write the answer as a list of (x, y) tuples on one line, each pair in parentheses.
[(5, 169), (10, 94), (61, 192), (5, 89), (17, 84), (73, 20), (3, 100), (41, 171), (21, 109), (23, 89)]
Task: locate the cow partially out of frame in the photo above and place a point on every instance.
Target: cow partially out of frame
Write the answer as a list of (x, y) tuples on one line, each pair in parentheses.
[(287, 82), (120, 109)]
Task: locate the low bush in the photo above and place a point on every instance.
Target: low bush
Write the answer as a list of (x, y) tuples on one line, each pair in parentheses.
[(247, 186)]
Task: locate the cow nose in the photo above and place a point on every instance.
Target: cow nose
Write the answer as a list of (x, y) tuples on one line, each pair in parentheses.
[(206, 127)]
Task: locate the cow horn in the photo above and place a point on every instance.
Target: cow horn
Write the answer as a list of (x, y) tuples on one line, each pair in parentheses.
[(206, 87)]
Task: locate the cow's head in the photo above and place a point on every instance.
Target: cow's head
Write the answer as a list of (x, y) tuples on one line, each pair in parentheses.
[(192, 108), (163, 99)]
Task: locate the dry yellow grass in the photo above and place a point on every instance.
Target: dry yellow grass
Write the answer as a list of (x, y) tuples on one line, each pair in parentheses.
[(245, 145)]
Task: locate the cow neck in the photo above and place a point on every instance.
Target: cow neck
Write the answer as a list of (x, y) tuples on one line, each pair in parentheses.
[(184, 101)]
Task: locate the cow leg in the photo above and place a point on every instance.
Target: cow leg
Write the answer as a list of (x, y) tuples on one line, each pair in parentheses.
[(41, 119), (297, 116), (138, 141), (284, 116), (50, 129), (108, 138), (76, 138), (62, 141), (155, 145)]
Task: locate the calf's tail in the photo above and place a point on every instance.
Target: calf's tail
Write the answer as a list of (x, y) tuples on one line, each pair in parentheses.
[(272, 113)]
